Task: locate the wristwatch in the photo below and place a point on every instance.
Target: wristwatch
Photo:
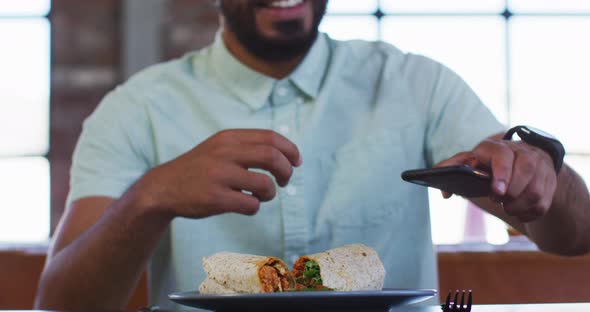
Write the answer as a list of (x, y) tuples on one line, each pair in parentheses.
[(542, 140)]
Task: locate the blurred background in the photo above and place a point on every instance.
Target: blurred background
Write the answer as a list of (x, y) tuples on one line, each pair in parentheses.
[(527, 59)]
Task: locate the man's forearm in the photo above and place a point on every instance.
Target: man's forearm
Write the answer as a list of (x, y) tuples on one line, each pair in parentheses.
[(101, 268), (566, 227)]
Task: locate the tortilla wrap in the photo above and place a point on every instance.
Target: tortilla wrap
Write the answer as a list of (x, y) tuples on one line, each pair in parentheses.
[(229, 273), (347, 268)]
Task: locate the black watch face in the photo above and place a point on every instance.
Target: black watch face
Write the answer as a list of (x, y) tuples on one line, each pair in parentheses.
[(538, 131)]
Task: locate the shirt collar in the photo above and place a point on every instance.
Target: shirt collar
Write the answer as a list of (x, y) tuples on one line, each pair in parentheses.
[(250, 86), (254, 88), (308, 76)]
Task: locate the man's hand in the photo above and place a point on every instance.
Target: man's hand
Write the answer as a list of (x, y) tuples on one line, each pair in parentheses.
[(523, 176), (210, 179)]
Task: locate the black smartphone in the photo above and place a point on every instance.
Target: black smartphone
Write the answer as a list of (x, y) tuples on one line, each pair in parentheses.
[(461, 180)]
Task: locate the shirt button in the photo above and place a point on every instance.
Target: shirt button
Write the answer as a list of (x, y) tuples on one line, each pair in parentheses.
[(282, 91), (291, 190), (284, 129), (299, 101)]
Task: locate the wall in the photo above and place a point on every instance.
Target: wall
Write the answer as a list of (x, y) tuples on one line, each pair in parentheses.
[(188, 25)]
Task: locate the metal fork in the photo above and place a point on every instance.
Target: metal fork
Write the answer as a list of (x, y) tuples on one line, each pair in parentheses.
[(454, 306)]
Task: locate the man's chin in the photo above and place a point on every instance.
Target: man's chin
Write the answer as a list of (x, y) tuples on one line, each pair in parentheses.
[(287, 41), (280, 51), (279, 47)]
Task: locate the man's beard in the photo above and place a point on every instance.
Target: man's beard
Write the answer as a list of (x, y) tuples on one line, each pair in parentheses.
[(297, 41)]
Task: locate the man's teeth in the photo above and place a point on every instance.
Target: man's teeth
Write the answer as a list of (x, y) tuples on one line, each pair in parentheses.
[(285, 3)]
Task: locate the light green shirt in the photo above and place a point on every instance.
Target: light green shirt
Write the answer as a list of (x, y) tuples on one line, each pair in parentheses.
[(360, 112)]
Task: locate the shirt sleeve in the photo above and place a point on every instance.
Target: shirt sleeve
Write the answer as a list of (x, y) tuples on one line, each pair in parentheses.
[(458, 120), (111, 152)]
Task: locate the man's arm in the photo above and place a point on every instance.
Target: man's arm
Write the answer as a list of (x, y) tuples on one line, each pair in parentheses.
[(565, 228), (553, 210), (568, 219), (102, 245), (99, 252)]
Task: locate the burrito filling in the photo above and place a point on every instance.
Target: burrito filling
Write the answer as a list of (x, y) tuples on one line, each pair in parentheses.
[(307, 276), (274, 278)]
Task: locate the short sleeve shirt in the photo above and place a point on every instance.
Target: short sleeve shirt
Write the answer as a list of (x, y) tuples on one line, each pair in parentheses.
[(360, 113)]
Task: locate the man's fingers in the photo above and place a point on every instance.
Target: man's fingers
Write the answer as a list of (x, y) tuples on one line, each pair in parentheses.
[(259, 184), (523, 210), (264, 137), (265, 157), (446, 195), (534, 201), (500, 159), (522, 175), (538, 194), (238, 202)]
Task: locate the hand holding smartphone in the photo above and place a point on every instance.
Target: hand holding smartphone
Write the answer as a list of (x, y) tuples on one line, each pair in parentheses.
[(461, 180)]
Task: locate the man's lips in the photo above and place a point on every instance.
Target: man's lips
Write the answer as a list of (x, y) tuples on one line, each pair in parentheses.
[(279, 3), (282, 10)]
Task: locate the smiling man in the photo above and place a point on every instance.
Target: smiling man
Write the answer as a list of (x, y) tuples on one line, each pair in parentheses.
[(277, 140)]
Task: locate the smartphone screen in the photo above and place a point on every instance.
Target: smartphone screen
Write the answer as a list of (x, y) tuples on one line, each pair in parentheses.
[(461, 180)]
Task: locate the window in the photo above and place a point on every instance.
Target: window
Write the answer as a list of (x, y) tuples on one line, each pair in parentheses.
[(526, 59), (24, 120)]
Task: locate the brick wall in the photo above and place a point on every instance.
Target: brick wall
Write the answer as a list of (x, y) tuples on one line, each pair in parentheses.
[(188, 25), (86, 64)]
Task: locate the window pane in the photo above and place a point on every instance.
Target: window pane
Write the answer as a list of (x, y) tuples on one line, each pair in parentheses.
[(350, 27), (453, 222), (549, 6), (25, 7), (430, 6), (347, 6), (24, 87), (447, 217), (24, 216), (495, 229), (472, 46), (550, 82)]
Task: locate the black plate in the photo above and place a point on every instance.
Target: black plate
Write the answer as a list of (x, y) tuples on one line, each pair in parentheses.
[(305, 301)]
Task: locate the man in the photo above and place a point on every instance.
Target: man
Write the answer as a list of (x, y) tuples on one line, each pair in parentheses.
[(182, 160)]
